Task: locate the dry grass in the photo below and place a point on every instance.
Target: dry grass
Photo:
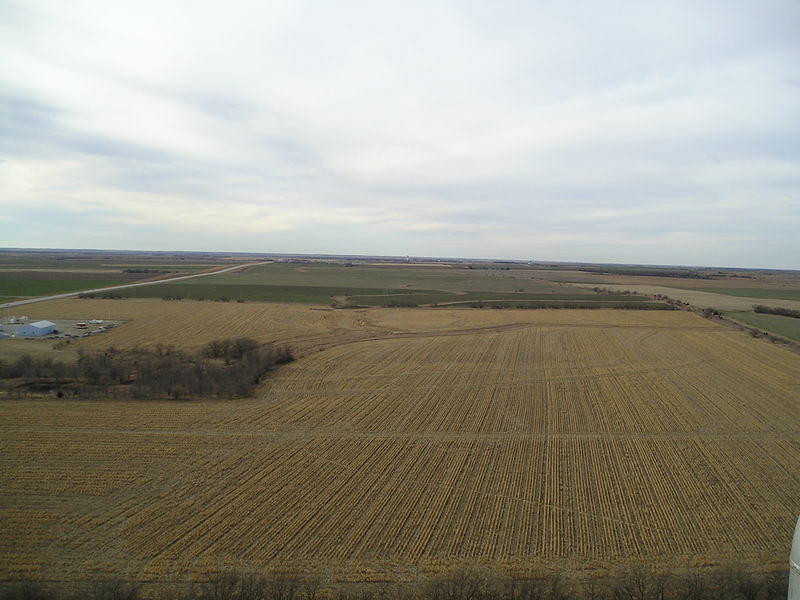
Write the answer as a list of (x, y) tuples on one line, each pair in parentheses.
[(10, 350), (586, 439)]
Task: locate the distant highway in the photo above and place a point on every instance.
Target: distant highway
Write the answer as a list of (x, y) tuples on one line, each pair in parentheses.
[(127, 285)]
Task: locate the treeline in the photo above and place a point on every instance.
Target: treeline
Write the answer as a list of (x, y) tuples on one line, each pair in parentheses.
[(400, 304), (204, 299), (608, 292), (784, 312), (223, 368), (580, 305), (641, 584)]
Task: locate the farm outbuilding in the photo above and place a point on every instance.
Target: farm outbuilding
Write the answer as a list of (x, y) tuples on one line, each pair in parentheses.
[(36, 329)]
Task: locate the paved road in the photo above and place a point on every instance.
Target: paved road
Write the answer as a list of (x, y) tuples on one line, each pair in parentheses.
[(127, 285)]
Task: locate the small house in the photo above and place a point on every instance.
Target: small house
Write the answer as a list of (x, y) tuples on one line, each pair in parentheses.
[(37, 329)]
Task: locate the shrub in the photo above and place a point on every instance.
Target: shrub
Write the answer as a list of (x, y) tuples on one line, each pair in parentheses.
[(785, 312), (160, 372)]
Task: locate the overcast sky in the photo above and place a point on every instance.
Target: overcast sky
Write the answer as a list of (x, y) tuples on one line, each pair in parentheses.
[(646, 132)]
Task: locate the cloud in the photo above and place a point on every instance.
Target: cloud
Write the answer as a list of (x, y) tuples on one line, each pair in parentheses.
[(657, 133)]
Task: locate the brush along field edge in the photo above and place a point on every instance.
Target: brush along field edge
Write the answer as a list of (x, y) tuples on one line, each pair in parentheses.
[(563, 439)]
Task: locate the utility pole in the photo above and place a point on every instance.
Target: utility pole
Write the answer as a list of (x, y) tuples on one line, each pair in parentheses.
[(794, 565)]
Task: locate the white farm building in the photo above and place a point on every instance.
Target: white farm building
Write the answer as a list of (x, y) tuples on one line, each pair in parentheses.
[(36, 329)]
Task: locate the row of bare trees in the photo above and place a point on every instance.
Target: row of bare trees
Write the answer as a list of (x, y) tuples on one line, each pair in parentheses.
[(468, 584), (777, 310), (224, 368)]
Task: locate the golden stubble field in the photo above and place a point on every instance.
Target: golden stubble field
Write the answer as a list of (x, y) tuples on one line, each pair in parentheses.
[(190, 325), (521, 439)]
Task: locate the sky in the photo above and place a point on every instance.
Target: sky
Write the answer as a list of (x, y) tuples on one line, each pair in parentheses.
[(627, 132)]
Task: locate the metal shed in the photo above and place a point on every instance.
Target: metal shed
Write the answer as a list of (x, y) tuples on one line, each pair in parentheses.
[(37, 329)]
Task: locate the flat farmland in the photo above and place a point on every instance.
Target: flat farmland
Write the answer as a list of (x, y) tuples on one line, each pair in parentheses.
[(19, 284), (522, 439), (396, 278), (699, 297), (41, 273), (761, 280), (324, 283), (778, 294), (189, 325), (786, 326)]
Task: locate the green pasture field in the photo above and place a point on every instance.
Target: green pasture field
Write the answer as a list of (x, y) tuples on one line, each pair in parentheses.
[(778, 294), (67, 265), (31, 283), (786, 326), (32, 274), (17, 287), (317, 294), (366, 286), (453, 279), (167, 267), (247, 293), (66, 261), (74, 275)]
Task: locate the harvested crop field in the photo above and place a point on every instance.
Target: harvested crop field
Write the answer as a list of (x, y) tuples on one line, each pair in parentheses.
[(525, 439), (189, 324)]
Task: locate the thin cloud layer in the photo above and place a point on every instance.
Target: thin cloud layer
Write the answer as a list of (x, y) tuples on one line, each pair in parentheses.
[(661, 133)]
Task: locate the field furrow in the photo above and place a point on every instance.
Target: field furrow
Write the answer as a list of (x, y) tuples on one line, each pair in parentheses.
[(522, 440)]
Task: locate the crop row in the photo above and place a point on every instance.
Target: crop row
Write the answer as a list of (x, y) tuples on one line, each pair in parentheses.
[(537, 380), (638, 437), (339, 499)]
